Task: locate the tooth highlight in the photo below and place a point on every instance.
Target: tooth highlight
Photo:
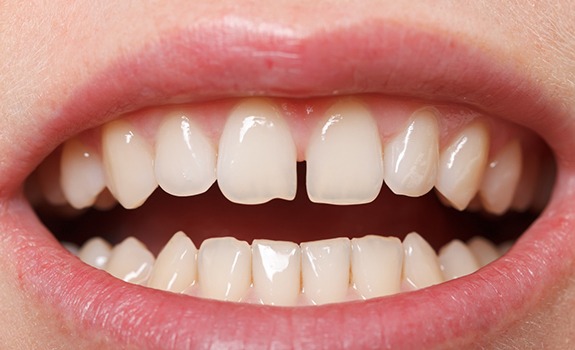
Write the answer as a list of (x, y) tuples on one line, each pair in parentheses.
[(130, 261), (376, 264), (128, 164), (462, 164), (185, 162), (344, 156), (81, 174), (224, 268), (456, 260), (257, 155), (410, 159), (483, 250), (276, 269), (95, 252), (325, 270), (175, 267), (420, 264)]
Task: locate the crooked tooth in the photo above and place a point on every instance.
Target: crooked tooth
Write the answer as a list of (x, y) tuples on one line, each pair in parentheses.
[(462, 164), (130, 261), (257, 155), (175, 267), (276, 268), (81, 174), (325, 270), (224, 268), (483, 250), (456, 260), (420, 264), (185, 162), (501, 179), (344, 156), (410, 159), (376, 264), (128, 164), (95, 252)]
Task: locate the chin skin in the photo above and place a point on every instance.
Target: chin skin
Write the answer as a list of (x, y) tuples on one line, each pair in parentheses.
[(48, 50)]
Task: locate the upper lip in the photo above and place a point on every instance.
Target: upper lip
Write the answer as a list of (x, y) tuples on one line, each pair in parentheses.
[(190, 65)]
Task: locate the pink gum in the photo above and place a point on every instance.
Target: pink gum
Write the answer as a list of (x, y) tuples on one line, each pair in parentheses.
[(303, 115)]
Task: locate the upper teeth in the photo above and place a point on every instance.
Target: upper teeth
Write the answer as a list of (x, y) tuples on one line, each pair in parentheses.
[(348, 157)]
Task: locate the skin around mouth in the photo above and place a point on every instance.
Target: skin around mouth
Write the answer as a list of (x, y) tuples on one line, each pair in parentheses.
[(502, 302)]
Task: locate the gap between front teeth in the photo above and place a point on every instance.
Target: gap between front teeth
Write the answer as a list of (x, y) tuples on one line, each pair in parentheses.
[(284, 273)]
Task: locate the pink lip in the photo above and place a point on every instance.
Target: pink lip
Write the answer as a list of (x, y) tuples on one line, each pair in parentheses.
[(221, 61)]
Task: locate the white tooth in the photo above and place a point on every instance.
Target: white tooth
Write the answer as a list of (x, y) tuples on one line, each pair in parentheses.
[(128, 164), (95, 252), (276, 269), (257, 155), (344, 156), (501, 179), (420, 264), (325, 270), (49, 180), (456, 260), (483, 250), (461, 165), (410, 159), (224, 268), (130, 261), (81, 174), (185, 161), (175, 267), (376, 264), (527, 182)]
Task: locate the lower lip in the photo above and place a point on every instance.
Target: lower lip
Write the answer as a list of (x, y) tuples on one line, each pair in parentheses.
[(450, 313)]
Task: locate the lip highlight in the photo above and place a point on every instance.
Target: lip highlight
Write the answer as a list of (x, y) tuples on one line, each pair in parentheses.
[(401, 61)]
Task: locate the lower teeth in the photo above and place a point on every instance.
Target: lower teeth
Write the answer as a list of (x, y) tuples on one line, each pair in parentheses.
[(287, 274)]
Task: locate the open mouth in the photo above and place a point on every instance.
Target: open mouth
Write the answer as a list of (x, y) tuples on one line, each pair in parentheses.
[(308, 194)]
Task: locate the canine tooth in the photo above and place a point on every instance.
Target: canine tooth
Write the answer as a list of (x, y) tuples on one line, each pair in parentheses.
[(257, 155), (325, 270), (344, 156), (224, 268), (130, 261), (420, 264), (81, 174), (95, 252), (456, 260), (461, 165), (501, 179), (128, 164), (175, 266), (410, 159), (376, 264), (483, 250), (185, 162), (48, 175), (276, 269)]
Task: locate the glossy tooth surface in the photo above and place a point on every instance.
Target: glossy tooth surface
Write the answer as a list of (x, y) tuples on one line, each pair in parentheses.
[(276, 270), (483, 250), (95, 252), (175, 267), (462, 164), (224, 268), (257, 155), (128, 164), (81, 174), (185, 162), (501, 179), (130, 261), (420, 264), (325, 270), (456, 260), (410, 159), (344, 156), (376, 264)]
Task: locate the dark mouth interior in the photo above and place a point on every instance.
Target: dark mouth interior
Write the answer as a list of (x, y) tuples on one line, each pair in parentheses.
[(212, 215)]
